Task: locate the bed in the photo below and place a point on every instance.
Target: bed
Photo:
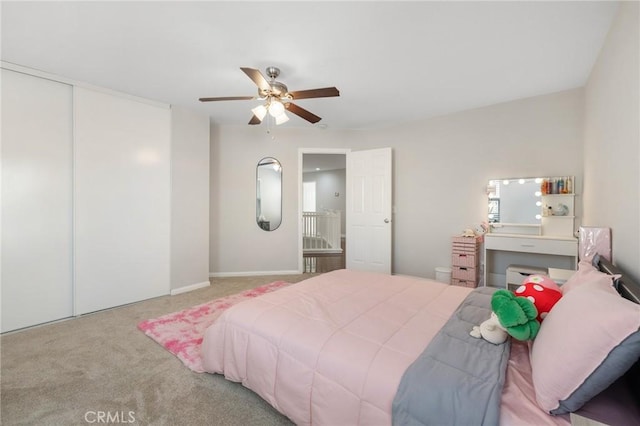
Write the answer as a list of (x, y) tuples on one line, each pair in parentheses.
[(351, 347)]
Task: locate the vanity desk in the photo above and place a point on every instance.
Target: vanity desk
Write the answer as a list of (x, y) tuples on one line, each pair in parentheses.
[(502, 250), (531, 222)]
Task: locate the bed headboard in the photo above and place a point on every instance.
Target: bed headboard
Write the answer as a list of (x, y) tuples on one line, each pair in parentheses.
[(625, 286), (628, 289)]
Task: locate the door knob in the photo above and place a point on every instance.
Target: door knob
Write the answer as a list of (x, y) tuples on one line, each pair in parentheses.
[(386, 220)]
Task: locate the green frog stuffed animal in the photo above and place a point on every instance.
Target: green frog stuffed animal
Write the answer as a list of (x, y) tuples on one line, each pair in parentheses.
[(512, 316)]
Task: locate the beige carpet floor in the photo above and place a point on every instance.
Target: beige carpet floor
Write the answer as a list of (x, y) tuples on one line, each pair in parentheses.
[(73, 371)]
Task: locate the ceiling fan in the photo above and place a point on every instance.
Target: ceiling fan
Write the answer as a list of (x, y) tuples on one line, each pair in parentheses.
[(277, 97)]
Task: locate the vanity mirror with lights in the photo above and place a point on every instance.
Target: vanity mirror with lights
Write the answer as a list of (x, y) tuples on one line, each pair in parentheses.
[(532, 222)]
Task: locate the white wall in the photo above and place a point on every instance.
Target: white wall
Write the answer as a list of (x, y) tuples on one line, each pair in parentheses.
[(612, 140), (238, 245), (189, 199), (328, 183), (441, 168)]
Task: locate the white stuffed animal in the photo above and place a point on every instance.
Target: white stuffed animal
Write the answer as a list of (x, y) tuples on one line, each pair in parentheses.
[(468, 233), (491, 330)]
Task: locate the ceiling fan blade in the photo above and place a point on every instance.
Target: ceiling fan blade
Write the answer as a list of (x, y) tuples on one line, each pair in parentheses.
[(302, 113), (255, 120), (228, 98), (257, 78), (325, 92)]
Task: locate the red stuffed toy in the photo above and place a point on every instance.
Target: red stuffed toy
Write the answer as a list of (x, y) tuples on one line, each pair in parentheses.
[(542, 291)]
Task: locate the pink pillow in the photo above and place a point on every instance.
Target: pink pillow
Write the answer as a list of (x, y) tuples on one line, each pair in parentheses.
[(590, 338), (588, 273)]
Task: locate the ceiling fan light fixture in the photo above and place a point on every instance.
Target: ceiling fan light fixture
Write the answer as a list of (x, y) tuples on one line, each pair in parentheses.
[(276, 98), (276, 108), (260, 111), (282, 118)]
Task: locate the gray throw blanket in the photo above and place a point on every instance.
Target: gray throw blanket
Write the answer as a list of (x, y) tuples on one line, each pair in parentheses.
[(458, 379)]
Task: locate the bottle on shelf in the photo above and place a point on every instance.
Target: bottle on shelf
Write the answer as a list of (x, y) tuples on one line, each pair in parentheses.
[(561, 189), (569, 185)]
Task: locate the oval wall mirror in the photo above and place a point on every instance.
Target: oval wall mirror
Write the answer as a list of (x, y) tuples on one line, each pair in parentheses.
[(269, 194)]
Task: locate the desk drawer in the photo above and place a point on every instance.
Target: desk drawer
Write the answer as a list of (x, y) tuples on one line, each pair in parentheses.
[(532, 245)]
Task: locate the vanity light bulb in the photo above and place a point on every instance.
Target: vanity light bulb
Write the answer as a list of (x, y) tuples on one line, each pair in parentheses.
[(521, 181), (538, 203), (538, 216), (537, 193), (505, 182), (538, 180)]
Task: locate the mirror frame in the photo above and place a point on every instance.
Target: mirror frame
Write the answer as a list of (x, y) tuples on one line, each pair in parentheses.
[(275, 191), (546, 190), (495, 204)]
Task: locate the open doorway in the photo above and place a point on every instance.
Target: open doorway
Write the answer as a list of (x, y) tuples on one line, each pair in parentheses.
[(322, 210)]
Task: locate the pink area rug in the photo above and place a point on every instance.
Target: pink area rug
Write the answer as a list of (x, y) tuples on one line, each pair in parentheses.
[(181, 332)]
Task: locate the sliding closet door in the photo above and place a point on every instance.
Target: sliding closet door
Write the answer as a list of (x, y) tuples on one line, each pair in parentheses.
[(36, 200), (122, 200)]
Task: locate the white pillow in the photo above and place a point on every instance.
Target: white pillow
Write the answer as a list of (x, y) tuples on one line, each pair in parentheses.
[(589, 339), (587, 273)]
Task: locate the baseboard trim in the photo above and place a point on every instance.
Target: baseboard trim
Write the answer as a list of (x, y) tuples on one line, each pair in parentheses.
[(191, 287), (251, 273)]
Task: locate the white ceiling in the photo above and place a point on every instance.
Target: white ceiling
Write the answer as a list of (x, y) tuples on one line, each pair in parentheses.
[(392, 61)]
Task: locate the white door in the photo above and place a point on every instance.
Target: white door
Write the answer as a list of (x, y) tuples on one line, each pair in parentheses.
[(369, 210), (37, 221)]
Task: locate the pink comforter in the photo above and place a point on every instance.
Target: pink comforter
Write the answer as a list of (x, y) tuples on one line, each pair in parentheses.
[(331, 349), (518, 405)]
